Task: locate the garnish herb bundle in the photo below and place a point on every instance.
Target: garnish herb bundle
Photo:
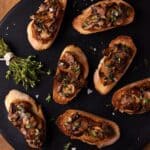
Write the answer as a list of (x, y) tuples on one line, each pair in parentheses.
[(25, 71)]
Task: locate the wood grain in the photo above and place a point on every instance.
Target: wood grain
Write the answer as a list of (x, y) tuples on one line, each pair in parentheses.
[(5, 6), (4, 145)]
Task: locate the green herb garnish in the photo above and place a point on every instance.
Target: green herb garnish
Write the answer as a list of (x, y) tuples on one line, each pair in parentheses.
[(67, 146), (111, 77), (75, 68), (28, 126), (93, 133), (25, 71), (85, 24), (125, 48), (146, 100), (3, 48), (49, 72), (117, 58), (48, 98)]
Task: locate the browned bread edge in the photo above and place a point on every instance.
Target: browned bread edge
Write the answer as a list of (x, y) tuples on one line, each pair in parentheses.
[(99, 144), (37, 44), (81, 59), (15, 96), (120, 39), (77, 22), (119, 92)]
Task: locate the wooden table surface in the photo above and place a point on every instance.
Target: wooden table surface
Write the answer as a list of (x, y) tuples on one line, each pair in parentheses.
[(5, 6)]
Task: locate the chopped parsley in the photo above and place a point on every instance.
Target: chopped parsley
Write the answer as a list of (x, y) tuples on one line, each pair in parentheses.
[(49, 72), (67, 146), (111, 77), (146, 100), (48, 98), (75, 68), (93, 133)]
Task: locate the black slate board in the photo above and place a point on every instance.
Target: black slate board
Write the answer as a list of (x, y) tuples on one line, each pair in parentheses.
[(135, 131)]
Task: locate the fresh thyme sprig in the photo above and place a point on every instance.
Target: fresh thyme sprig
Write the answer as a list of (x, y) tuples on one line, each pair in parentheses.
[(25, 71), (3, 48)]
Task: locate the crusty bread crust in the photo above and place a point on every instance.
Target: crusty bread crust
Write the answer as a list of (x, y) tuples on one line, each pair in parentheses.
[(82, 60), (77, 22), (60, 121), (118, 93), (15, 96), (38, 44), (126, 40)]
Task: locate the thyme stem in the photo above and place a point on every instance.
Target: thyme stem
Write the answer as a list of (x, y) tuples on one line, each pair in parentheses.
[(25, 71)]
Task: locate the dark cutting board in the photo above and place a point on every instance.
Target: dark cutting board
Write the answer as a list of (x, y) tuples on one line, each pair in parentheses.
[(135, 130)]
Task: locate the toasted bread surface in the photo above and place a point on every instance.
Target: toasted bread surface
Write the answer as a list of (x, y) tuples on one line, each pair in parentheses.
[(117, 97), (81, 58), (15, 96), (125, 40), (87, 139), (78, 21), (39, 45)]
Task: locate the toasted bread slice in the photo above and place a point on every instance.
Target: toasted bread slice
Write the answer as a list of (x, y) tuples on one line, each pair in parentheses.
[(81, 59), (133, 98), (16, 97), (80, 20), (88, 128), (44, 43), (99, 85)]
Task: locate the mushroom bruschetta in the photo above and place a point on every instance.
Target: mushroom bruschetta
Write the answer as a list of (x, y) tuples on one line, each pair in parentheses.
[(27, 116), (88, 128), (133, 98), (44, 26), (115, 62), (71, 74), (104, 15)]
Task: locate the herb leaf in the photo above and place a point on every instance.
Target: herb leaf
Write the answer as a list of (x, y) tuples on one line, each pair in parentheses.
[(146, 101), (49, 72), (48, 98), (3, 48), (25, 71), (67, 146)]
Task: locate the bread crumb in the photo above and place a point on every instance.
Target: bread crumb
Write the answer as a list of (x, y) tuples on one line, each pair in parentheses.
[(37, 96), (94, 49), (113, 113), (7, 28), (89, 91), (108, 105), (51, 9)]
